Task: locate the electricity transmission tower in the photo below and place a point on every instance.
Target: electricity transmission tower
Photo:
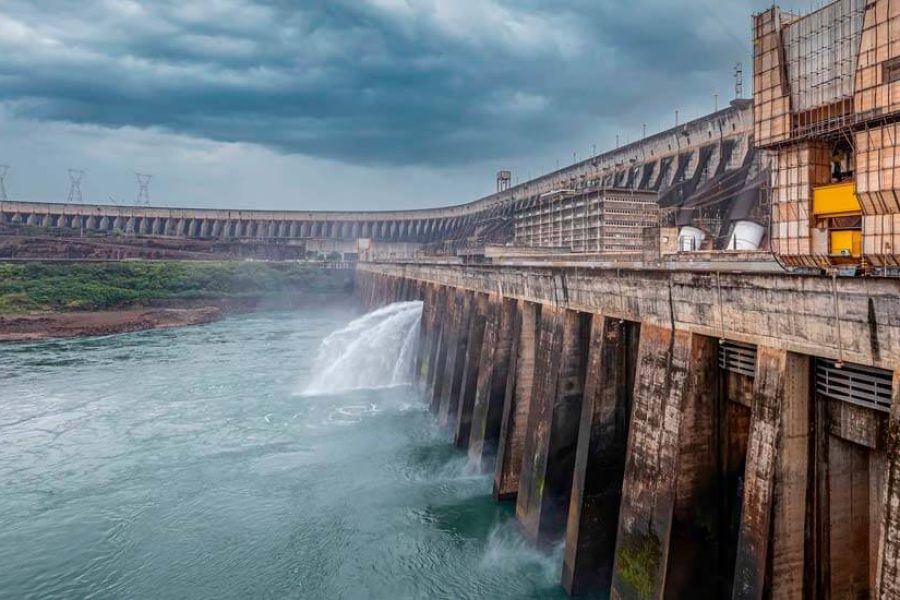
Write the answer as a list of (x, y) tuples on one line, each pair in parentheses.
[(4, 169), (143, 197), (75, 177)]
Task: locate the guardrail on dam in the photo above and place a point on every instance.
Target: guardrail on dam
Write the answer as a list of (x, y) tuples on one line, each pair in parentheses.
[(688, 435)]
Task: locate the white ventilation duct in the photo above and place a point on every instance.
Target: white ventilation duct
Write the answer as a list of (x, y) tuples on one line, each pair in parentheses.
[(690, 239), (747, 235)]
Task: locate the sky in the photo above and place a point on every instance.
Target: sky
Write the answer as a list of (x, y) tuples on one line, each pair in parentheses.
[(345, 104)]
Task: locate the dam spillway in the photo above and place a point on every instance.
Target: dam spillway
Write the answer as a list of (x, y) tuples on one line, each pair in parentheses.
[(686, 434)]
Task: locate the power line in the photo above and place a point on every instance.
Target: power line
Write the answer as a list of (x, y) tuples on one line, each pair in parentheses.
[(75, 177)]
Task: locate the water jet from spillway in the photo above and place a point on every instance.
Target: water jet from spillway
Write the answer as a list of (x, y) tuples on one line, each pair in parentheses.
[(374, 351)]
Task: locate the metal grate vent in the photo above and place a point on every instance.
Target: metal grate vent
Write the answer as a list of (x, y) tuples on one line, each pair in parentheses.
[(737, 357), (865, 386)]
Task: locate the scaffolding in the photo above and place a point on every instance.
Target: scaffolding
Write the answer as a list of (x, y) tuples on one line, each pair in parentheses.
[(772, 119), (879, 61), (797, 170), (821, 53), (593, 220), (826, 107)]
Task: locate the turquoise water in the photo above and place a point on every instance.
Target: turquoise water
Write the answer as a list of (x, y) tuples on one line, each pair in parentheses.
[(185, 463)]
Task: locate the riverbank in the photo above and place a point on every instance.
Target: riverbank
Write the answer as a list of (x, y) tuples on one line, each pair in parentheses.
[(34, 327), (43, 300)]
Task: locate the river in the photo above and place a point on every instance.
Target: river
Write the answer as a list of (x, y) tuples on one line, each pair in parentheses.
[(227, 461)]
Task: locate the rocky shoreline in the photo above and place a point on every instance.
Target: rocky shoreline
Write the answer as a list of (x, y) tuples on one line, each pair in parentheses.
[(39, 326)]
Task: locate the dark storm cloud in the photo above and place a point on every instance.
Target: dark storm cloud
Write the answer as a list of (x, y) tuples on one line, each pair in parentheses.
[(398, 82)]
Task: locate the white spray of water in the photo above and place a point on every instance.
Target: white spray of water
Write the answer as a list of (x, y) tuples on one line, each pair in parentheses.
[(373, 351)]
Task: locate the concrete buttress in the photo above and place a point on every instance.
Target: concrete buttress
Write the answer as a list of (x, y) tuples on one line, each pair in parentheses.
[(426, 334), (664, 388), (517, 402), (548, 457), (444, 339), (888, 574), (471, 369), (775, 481), (600, 458), (487, 413), (435, 339), (457, 344)]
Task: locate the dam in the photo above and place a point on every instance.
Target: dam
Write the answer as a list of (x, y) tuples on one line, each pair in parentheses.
[(686, 434), (677, 361)]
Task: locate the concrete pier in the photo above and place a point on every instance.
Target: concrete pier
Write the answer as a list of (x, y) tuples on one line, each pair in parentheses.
[(548, 455), (888, 552), (775, 487), (662, 393), (517, 402), (471, 366), (682, 443), (454, 366), (493, 375), (600, 457)]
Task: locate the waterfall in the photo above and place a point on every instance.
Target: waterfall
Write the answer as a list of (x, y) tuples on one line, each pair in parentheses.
[(373, 351)]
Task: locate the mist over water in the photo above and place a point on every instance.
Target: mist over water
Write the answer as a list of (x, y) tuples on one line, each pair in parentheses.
[(191, 463)]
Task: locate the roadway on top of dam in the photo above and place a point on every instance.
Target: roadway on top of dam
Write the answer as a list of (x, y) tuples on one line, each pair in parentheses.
[(842, 318)]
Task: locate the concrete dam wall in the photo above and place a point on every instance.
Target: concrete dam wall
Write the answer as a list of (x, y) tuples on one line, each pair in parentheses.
[(686, 435), (703, 172)]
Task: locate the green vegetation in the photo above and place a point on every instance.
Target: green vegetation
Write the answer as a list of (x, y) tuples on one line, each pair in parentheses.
[(638, 562), (98, 286)]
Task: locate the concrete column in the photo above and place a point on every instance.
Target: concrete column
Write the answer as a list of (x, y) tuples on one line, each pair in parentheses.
[(456, 359), (445, 334), (888, 570), (423, 357), (471, 368), (436, 317), (517, 401), (600, 458), (487, 413), (694, 540), (673, 402), (773, 517), (548, 458)]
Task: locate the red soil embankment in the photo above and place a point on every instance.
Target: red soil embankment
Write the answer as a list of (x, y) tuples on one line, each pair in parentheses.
[(79, 324)]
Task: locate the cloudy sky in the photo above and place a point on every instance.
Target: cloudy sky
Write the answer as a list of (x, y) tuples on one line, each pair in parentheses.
[(344, 104)]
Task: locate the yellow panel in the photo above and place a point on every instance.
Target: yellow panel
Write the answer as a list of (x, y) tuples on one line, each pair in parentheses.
[(849, 240), (837, 199)]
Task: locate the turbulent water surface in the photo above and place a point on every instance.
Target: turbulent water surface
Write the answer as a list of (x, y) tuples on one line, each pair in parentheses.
[(274, 455)]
